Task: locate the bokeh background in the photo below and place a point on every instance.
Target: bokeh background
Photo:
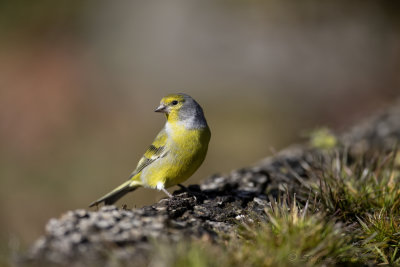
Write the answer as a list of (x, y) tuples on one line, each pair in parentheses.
[(79, 81)]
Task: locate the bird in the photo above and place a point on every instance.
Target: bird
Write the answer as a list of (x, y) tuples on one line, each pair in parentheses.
[(175, 154)]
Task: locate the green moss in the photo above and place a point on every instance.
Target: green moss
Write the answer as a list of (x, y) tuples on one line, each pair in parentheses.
[(365, 193), (354, 219), (322, 138), (365, 186), (283, 236), (381, 236), (293, 237), (195, 253)]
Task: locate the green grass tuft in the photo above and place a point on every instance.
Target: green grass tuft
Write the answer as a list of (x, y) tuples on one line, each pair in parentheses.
[(354, 219), (293, 237), (365, 186), (365, 192), (284, 236), (381, 236)]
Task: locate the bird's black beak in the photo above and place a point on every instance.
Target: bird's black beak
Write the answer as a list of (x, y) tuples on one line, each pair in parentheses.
[(161, 108)]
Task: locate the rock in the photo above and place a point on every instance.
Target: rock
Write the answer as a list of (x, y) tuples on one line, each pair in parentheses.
[(207, 210)]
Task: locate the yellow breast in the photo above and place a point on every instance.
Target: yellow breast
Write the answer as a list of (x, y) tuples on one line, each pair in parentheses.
[(187, 149)]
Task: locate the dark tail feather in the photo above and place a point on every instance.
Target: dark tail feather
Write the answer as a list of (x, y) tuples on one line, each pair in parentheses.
[(114, 195)]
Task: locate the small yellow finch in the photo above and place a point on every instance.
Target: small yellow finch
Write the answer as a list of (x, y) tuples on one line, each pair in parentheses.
[(176, 153)]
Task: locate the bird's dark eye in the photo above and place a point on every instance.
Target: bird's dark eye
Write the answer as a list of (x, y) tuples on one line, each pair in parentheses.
[(174, 102)]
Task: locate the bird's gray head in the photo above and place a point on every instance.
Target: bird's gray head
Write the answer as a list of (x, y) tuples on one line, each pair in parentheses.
[(183, 109)]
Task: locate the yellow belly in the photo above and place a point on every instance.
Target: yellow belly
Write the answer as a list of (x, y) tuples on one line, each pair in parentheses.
[(186, 152)]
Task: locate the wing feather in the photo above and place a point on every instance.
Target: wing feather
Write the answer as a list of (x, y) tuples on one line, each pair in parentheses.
[(155, 151)]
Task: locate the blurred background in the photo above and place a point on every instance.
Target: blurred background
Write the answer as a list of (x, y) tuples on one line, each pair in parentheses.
[(79, 81)]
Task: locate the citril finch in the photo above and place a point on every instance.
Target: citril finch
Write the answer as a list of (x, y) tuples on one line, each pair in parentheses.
[(176, 153)]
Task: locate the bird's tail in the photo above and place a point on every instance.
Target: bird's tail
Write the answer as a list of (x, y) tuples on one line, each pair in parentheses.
[(117, 193)]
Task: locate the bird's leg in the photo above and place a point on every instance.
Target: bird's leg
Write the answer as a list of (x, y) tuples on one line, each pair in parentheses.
[(166, 192), (160, 186)]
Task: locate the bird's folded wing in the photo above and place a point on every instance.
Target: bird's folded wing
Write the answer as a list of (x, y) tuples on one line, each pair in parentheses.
[(155, 151)]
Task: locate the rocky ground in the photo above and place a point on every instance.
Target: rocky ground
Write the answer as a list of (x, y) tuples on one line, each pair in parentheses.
[(209, 210)]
